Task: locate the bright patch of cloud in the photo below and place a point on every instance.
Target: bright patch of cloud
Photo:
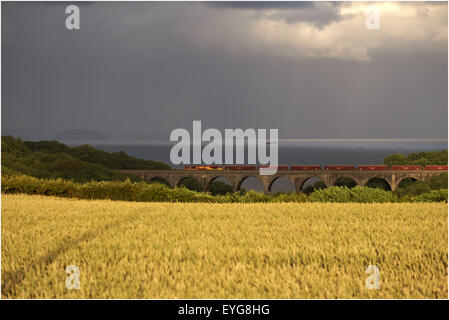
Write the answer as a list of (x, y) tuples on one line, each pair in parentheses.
[(404, 27)]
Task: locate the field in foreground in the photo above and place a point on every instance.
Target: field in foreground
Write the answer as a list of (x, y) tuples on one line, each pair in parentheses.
[(198, 250)]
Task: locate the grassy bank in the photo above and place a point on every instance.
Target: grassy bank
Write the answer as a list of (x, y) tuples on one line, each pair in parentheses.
[(144, 192)]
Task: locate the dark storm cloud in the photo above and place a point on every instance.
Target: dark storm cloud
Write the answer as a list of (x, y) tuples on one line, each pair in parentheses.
[(139, 70)]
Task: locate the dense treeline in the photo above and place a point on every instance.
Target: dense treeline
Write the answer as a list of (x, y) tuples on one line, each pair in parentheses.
[(115, 160), (141, 191), (52, 159), (421, 158)]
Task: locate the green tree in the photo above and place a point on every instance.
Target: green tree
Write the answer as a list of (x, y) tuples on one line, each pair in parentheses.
[(412, 187), (316, 186), (378, 183), (52, 159), (220, 188), (345, 182), (420, 158), (191, 184), (160, 181)]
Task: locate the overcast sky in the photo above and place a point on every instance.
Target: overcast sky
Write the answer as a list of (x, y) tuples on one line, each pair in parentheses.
[(140, 70)]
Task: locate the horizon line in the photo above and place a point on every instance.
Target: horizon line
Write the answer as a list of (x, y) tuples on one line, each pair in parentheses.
[(362, 139)]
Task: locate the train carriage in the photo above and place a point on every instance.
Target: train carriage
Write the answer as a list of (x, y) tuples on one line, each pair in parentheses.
[(240, 167), (372, 167), (203, 167), (435, 167), (405, 167), (305, 167), (280, 167), (339, 167)]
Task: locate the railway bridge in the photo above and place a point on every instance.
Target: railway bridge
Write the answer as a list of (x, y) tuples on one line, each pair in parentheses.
[(297, 177)]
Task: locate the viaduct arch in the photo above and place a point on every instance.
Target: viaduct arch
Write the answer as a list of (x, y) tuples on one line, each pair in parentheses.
[(298, 178)]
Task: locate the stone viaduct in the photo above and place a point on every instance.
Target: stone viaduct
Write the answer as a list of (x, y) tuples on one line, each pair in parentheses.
[(298, 178)]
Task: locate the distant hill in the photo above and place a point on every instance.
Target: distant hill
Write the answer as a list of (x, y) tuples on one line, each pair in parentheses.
[(52, 159)]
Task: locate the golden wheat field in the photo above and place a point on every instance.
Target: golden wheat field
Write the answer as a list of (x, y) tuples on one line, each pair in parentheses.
[(179, 250)]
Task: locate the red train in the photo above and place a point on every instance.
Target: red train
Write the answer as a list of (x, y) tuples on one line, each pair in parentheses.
[(337, 167), (240, 167), (372, 167), (204, 167), (298, 167), (405, 167), (438, 167), (317, 167), (279, 167)]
